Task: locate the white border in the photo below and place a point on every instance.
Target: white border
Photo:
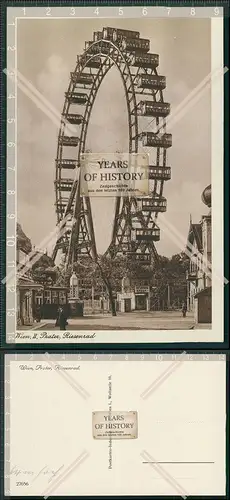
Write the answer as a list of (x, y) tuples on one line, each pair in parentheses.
[(216, 333), (217, 158)]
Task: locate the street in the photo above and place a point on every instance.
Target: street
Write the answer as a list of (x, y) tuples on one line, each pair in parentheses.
[(137, 320)]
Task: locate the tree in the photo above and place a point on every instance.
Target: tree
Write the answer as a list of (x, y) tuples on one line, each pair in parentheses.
[(102, 270), (44, 271), (170, 276), (105, 271), (23, 242), (113, 270), (109, 272)]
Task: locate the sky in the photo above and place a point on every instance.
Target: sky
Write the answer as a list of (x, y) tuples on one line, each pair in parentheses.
[(46, 53)]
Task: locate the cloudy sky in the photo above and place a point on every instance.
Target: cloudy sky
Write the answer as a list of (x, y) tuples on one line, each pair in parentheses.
[(47, 51)]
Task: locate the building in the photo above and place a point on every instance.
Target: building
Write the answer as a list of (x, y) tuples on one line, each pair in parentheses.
[(48, 300), (199, 280), (88, 295), (36, 300), (26, 287), (134, 295)]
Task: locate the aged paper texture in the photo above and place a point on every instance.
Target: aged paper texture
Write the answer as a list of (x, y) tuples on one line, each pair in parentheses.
[(180, 400)]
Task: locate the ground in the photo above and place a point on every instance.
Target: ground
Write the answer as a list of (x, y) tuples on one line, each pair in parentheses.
[(154, 320)]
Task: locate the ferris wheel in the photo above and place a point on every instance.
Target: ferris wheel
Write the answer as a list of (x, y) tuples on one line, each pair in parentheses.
[(135, 228)]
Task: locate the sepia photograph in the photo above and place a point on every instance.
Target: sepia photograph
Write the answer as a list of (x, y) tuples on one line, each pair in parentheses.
[(105, 98)]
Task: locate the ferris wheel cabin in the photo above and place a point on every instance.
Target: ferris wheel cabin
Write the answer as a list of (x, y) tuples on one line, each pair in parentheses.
[(155, 82), (76, 97), (82, 78), (114, 34), (159, 173), (97, 36), (67, 164), (149, 139), (152, 234), (146, 60), (145, 258), (65, 140), (154, 204), (73, 118), (61, 205), (136, 45), (151, 108), (89, 62), (91, 48), (64, 184)]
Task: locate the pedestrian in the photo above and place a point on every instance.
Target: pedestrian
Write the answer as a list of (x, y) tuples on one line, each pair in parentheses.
[(61, 320), (184, 309), (58, 316), (38, 314)]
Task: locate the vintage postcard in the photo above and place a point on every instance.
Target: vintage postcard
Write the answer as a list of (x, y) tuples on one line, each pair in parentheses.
[(115, 174), (129, 424)]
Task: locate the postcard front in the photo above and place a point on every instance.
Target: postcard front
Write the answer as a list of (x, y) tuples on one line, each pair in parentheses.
[(114, 226)]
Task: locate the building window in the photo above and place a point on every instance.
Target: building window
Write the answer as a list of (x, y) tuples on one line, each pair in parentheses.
[(47, 297), (38, 298), (54, 297), (193, 266), (62, 297), (38, 301)]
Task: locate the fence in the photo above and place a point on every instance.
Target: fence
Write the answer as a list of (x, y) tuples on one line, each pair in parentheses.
[(96, 306)]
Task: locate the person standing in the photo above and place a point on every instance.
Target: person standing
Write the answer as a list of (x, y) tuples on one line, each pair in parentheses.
[(38, 314), (58, 316), (61, 319), (184, 309)]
